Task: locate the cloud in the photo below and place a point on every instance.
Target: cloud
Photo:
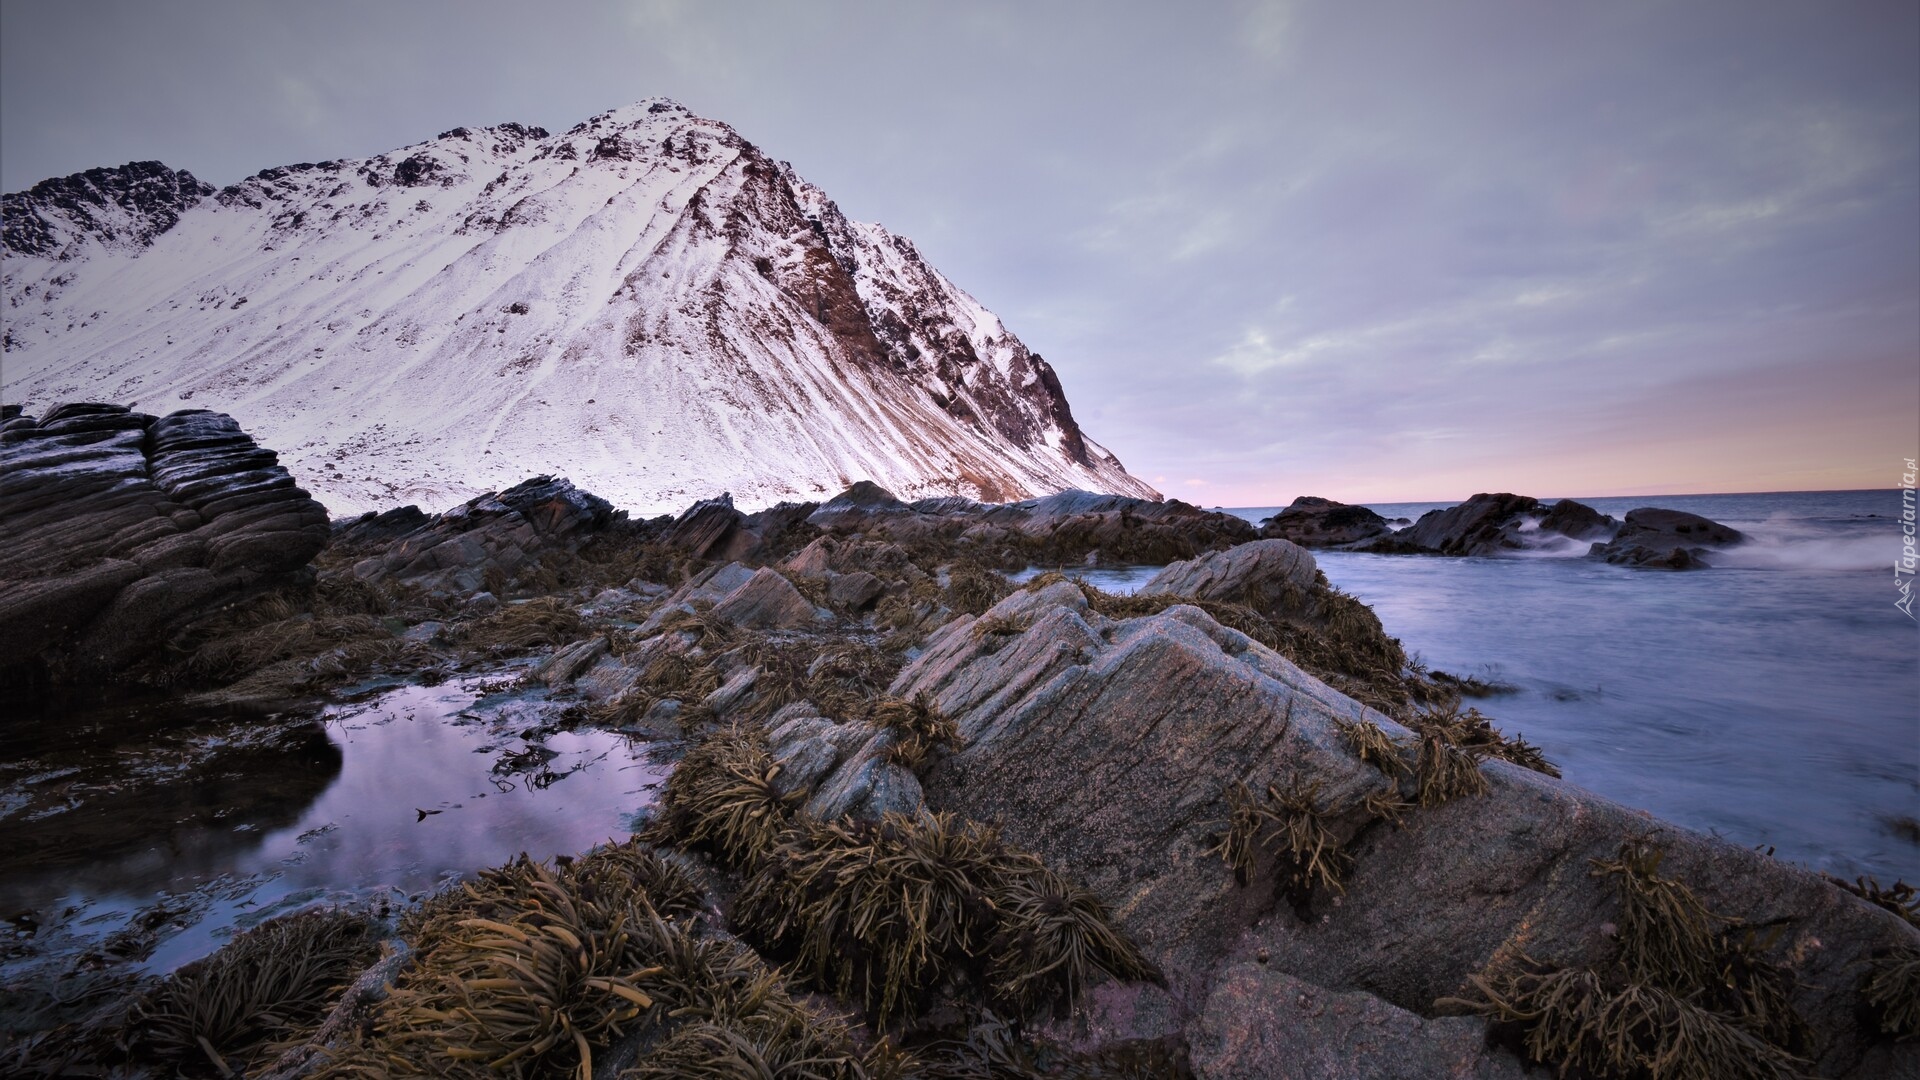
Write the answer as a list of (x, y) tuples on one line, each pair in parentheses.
[(1266, 244)]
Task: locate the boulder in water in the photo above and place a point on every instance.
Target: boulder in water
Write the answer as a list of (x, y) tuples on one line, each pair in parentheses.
[(1667, 540), (1315, 522)]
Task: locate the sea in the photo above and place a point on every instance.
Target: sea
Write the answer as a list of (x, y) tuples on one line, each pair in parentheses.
[(1773, 700)]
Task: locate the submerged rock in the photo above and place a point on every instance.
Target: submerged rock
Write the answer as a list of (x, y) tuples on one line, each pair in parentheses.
[(118, 529), (1667, 539)]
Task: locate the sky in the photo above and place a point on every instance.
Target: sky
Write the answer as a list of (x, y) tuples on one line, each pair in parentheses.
[(1367, 251)]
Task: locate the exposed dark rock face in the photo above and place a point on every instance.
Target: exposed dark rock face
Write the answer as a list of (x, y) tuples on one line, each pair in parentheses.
[(1475, 527), (1066, 528), (126, 206), (1577, 520), (1667, 540), (377, 529), (1315, 522), (118, 528), (1493, 524), (494, 535)]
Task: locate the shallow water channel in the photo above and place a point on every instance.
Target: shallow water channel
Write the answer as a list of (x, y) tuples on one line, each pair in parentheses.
[(144, 835)]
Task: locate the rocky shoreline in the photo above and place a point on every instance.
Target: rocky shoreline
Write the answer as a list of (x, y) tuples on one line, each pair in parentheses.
[(926, 822), (1505, 524)]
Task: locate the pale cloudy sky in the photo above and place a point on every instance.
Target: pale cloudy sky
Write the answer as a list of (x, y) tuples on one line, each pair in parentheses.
[(1371, 251)]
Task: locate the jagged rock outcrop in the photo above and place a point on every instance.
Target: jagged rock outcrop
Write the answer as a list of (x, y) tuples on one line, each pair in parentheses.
[(705, 529), (500, 534), (118, 528), (1315, 522), (646, 302), (1667, 540), (1109, 748), (768, 601)]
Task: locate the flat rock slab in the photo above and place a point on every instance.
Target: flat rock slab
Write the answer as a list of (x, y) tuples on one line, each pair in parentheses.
[(768, 601), (1263, 1024)]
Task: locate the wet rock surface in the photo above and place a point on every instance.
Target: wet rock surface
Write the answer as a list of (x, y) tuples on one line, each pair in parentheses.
[(1315, 522), (1507, 524), (1260, 1023), (119, 528), (1667, 539), (1483, 525), (1109, 747)]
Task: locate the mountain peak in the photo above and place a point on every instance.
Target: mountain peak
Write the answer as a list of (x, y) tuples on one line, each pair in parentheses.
[(124, 207), (646, 302)]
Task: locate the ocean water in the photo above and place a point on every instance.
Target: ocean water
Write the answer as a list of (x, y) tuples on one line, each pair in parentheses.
[(1773, 700)]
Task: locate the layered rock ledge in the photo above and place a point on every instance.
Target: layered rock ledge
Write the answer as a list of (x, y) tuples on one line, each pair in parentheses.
[(117, 528)]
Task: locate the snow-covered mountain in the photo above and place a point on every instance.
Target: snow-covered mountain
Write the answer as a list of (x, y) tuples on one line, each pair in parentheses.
[(645, 303)]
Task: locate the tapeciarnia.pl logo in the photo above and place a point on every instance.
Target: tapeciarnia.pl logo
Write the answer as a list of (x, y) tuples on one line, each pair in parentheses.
[(1905, 565)]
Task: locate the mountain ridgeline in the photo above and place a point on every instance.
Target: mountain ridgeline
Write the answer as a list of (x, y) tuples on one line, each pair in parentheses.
[(645, 302)]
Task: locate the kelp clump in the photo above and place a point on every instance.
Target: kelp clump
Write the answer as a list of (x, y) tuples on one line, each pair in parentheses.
[(539, 970), (722, 797), (1475, 733), (972, 589), (1687, 994), (919, 730), (547, 620), (1892, 993), (1291, 826), (883, 912), (267, 986)]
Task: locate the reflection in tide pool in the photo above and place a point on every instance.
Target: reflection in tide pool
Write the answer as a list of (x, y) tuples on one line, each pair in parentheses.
[(432, 784)]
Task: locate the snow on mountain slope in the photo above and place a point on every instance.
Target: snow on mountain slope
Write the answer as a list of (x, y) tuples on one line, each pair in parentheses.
[(646, 304)]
